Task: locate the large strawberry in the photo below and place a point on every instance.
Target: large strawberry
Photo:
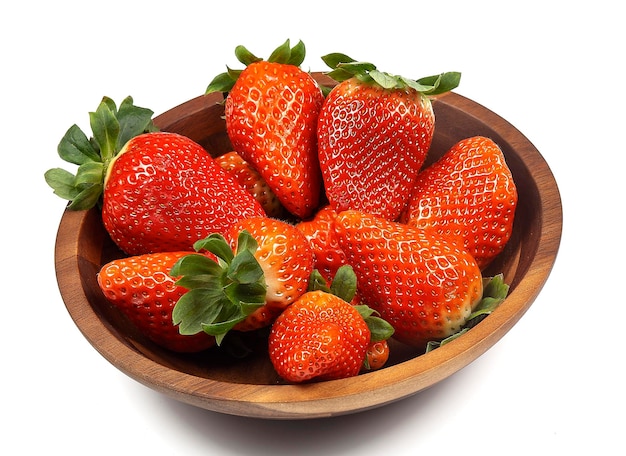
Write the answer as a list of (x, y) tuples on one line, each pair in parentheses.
[(263, 266), (374, 133), (424, 284), (159, 191), (468, 193), (271, 116), (142, 289)]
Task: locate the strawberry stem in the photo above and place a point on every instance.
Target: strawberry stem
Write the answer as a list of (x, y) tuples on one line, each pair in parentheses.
[(344, 67), (222, 291), (111, 129)]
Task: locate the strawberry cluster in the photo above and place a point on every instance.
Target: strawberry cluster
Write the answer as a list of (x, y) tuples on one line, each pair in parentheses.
[(321, 227)]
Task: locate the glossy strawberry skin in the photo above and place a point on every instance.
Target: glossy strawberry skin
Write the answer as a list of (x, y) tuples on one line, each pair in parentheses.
[(287, 262), (372, 143), (321, 337), (163, 192), (422, 283), (271, 117), (252, 181), (142, 289), (320, 233), (470, 194)]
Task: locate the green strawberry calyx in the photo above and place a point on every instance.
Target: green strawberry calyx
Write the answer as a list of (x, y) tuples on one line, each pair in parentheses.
[(344, 286), (221, 292), (111, 127), (284, 54), (344, 67), (495, 291)]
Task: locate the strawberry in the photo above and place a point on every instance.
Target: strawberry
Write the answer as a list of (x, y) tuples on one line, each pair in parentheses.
[(320, 336), (252, 181), (263, 266), (321, 236), (374, 132), (271, 116), (158, 191), (424, 284), (468, 193), (142, 289), (376, 355)]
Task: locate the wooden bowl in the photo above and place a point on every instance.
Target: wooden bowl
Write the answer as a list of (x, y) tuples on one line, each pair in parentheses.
[(250, 387)]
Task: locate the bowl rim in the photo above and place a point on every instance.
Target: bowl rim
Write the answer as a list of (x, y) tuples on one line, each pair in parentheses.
[(328, 398)]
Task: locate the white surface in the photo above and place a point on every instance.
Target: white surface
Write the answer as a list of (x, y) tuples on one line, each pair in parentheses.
[(554, 383)]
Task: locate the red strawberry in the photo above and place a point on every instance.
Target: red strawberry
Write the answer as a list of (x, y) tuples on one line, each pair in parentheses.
[(374, 132), (376, 356), (423, 284), (163, 192), (159, 191), (271, 116), (142, 289), (263, 266), (252, 181), (320, 336), (468, 193), (321, 236)]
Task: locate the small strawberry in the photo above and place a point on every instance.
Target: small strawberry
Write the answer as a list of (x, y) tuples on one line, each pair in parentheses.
[(374, 132), (271, 116), (158, 191), (321, 236), (252, 181), (142, 289), (320, 336), (376, 355), (468, 193), (422, 283), (263, 266)]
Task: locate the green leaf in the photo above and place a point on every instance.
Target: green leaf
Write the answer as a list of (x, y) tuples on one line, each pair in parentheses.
[(245, 268), (385, 80), (76, 148), (133, 121), (317, 282), (379, 328), (344, 283), (197, 271), (89, 173), (196, 308), (223, 82), (334, 59), (441, 83), (281, 54), (86, 198), (217, 245), (298, 53), (246, 242), (105, 128), (245, 56), (62, 182)]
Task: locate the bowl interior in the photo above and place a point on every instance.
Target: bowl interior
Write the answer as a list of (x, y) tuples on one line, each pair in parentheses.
[(83, 247)]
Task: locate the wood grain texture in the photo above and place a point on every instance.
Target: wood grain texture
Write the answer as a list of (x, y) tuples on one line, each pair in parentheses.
[(251, 387)]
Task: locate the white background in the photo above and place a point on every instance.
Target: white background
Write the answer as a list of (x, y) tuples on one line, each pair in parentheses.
[(553, 384)]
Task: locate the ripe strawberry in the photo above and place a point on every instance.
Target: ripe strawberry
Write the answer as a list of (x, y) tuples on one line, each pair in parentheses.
[(263, 266), (252, 181), (468, 193), (320, 336), (423, 284), (159, 191), (374, 132), (271, 116), (142, 289), (321, 236), (376, 355)]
